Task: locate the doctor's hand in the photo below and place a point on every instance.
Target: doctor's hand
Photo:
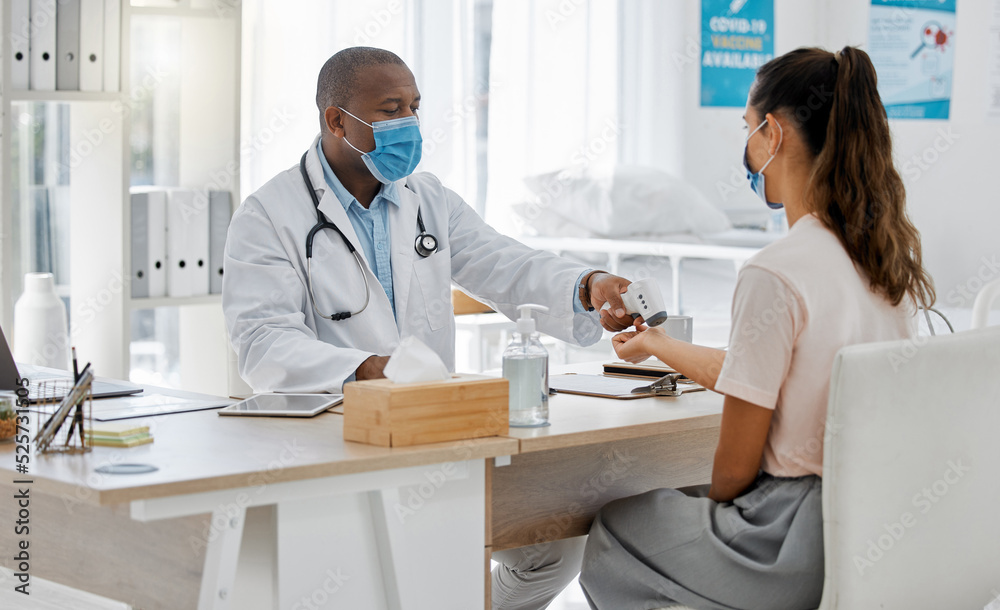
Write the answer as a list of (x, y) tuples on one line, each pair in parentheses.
[(606, 288), (637, 346), (372, 368)]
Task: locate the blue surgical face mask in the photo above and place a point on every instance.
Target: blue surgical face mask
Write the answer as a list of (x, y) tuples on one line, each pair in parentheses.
[(757, 179), (398, 146)]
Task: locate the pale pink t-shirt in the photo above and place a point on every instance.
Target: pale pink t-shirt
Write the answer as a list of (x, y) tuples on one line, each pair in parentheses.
[(797, 302)]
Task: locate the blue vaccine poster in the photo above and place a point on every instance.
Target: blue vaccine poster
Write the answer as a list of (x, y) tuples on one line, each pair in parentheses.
[(912, 44), (737, 37)]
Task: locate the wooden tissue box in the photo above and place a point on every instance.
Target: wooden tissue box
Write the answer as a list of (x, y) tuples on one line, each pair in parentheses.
[(380, 412)]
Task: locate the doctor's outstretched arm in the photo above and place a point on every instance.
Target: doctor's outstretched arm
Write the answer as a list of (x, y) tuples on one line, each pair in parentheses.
[(506, 273)]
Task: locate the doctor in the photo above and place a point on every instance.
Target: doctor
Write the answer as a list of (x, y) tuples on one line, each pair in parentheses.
[(334, 260)]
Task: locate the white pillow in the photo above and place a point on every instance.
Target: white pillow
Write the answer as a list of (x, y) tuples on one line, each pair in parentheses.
[(626, 201)]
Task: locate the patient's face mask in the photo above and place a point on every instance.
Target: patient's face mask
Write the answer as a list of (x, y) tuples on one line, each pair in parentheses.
[(757, 178), (398, 147)]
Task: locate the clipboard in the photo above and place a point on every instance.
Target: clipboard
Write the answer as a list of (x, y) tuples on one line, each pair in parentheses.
[(607, 386)]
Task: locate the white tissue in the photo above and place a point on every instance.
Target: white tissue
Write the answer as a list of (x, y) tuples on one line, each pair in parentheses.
[(413, 361)]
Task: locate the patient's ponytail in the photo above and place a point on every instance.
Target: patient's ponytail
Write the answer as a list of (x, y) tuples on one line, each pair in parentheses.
[(854, 188)]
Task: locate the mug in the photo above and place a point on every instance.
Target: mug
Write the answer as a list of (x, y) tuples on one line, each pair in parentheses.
[(679, 327)]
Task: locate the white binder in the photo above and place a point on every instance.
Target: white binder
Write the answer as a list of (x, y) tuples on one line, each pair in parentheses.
[(220, 211), (149, 242), (112, 44), (91, 45), (187, 243), (157, 251), (68, 45), (42, 67), (139, 250), (20, 35)]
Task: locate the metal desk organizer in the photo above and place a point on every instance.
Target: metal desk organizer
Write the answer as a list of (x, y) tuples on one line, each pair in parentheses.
[(51, 414), (668, 385)]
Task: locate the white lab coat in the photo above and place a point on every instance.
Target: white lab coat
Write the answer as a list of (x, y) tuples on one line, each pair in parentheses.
[(283, 345)]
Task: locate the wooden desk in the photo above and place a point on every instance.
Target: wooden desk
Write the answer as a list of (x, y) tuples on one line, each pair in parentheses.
[(367, 526), (597, 450), (260, 513)]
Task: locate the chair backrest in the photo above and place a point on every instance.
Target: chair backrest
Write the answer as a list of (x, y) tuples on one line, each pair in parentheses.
[(911, 474), (984, 302)]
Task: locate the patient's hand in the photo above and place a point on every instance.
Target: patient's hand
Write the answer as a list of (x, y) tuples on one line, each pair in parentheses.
[(636, 346)]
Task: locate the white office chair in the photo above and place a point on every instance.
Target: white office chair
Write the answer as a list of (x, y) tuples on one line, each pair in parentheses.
[(910, 474), (984, 302)]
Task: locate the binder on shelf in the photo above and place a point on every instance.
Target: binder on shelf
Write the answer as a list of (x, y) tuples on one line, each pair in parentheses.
[(187, 243), (91, 45), (68, 45), (20, 35), (220, 211), (112, 44), (157, 236), (139, 250), (149, 242), (42, 54)]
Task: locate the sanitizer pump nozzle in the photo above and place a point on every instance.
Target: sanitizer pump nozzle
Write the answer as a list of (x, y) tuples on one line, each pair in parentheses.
[(526, 323)]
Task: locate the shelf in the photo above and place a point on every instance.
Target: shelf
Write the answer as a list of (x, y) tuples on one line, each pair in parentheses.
[(208, 299), (64, 96), (221, 12)]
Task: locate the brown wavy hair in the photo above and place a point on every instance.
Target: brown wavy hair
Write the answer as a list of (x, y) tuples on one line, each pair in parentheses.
[(854, 188)]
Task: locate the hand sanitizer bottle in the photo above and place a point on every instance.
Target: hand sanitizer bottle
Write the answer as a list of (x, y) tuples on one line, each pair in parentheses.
[(526, 367)]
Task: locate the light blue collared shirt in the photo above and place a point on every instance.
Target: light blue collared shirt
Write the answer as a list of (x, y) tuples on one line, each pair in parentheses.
[(371, 225)]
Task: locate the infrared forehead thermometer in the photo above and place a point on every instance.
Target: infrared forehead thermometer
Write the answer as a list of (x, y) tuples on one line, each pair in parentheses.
[(643, 298)]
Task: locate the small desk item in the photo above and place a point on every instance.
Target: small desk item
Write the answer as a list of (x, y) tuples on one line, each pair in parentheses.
[(150, 405), (284, 405), (118, 434), (76, 395), (650, 369), (620, 388), (671, 384), (380, 412)]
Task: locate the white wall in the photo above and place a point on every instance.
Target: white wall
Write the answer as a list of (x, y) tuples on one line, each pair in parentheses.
[(953, 201)]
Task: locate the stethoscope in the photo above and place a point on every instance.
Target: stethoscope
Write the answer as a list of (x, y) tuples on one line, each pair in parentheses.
[(425, 245)]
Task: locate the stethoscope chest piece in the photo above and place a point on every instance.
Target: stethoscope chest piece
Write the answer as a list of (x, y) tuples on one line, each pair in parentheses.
[(426, 244)]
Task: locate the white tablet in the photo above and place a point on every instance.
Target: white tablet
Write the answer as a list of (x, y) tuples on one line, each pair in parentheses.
[(284, 405)]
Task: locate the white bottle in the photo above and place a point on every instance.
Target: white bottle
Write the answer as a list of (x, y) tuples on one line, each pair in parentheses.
[(526, 367), (41, 334)]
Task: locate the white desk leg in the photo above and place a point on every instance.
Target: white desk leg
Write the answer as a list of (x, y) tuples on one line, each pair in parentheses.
[(411, 546), (220, 558), (477, 353)]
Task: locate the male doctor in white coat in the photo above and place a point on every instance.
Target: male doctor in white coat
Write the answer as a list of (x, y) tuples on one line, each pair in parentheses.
[(388, 248)]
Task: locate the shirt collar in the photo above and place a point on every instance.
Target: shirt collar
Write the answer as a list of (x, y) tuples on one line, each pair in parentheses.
[(389, 192)]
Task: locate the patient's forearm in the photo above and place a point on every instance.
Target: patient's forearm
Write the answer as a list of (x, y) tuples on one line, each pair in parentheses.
[(697, 362)]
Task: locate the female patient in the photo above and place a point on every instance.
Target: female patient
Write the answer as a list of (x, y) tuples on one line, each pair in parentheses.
[(849, 271)]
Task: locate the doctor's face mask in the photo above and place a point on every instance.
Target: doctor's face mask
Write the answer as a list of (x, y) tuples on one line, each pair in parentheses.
[(398, 147)]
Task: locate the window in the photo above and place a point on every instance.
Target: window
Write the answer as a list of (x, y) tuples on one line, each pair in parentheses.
[(40, 180)]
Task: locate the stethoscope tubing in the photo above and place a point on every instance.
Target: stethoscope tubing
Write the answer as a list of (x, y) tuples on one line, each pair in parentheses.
[(323, 223)]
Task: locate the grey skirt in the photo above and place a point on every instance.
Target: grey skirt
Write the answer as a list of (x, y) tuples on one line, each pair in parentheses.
[(762, 551)]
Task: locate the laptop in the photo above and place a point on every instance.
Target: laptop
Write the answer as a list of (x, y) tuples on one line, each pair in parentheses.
[(9, 376)]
